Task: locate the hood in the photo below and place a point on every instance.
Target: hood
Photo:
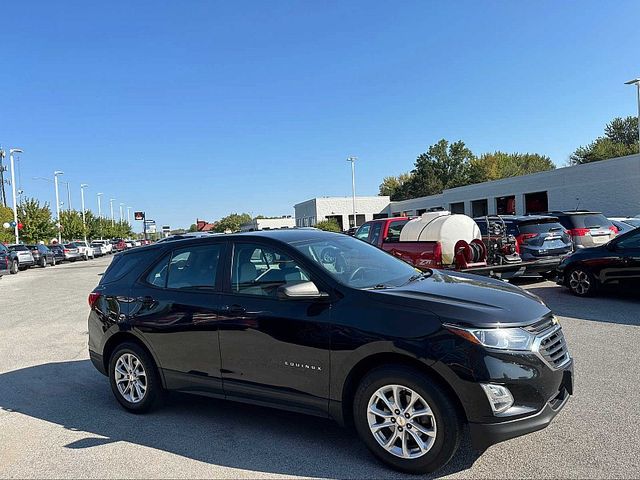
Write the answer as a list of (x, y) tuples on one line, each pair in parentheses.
[(470, 300)]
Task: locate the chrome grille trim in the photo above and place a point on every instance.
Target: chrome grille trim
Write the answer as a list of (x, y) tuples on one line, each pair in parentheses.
[(551, 348)]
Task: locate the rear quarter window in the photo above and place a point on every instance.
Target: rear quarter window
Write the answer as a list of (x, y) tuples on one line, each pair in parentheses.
[(122, 265)]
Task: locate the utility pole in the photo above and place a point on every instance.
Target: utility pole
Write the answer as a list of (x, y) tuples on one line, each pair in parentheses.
[(129, 215), (353, 187), (55, 183), (99, 206), (84, 223), (636, 82), (121, 205), (3, 195), (13, 192), (111, 205)]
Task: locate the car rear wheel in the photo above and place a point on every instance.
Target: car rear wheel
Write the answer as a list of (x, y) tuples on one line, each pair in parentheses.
[(581, 282), (14, 267), (134, 379), (53, 261), (43, 262), (405, 420)]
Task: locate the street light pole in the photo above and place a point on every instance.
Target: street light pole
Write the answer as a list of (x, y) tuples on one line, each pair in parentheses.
[(111, 205), (129, 215), (55, 182), (84, 223), (636, 82), (99, 206), (13, 192), (353, 187), (121, 205)]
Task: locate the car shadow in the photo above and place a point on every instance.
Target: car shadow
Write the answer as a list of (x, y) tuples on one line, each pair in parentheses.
[(612, 304), (72, 394)]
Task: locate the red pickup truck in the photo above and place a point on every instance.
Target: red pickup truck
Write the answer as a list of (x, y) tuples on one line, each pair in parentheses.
[(459, 253)]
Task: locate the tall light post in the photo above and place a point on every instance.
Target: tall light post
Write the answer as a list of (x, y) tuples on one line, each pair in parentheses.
[(129, 215), (111, 206), (99, 205), (636, 82), (55, 183), (13, 192), (121, 205), (353, 187), (84, 222)]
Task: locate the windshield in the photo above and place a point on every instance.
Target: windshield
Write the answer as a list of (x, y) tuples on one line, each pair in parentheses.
[(355, 263)]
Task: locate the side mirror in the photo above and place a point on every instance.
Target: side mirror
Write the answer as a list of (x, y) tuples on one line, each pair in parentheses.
[(300, 291)]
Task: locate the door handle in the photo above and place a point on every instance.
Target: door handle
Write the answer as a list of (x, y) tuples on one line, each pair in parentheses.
[(146, 300), (235, 310)]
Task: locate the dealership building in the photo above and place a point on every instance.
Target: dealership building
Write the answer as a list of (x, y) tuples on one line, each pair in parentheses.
[(608, 186)]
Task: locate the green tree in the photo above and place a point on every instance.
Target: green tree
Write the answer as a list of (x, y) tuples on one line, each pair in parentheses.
[(36, 220), (193, 228), (6, 216), (72, 227), (497, 165), (330, 225), (232, 222), (443, 166), (391, 184), (620, 139)]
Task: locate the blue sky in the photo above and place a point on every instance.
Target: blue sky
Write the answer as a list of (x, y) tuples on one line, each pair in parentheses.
[(192, 109)]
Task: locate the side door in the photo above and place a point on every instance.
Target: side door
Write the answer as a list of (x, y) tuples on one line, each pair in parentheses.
[(4, 260), (175, 308), (273, 350), (628, 262)]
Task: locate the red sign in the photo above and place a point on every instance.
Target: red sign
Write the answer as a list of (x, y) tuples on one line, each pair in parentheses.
[(138, 215)]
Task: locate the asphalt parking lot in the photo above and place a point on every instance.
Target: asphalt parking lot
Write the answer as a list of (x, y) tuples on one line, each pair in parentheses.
[(58, 418)]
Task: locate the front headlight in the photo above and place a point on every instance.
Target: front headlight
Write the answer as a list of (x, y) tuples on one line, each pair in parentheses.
[(501, 338)]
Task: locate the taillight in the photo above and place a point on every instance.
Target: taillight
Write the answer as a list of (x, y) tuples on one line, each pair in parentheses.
[(614, 229), (437, 254), (523, 237), (578, 232), (66, 250), (93, 298)]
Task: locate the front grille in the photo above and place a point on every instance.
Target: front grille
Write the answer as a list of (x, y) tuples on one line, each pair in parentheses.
[(540, 326), (553, 349)]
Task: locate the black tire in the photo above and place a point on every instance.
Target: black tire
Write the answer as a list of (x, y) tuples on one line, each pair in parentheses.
[(43, 262), (14, 267), (447, 420), (154, 391), (581, 282), (53, 262)]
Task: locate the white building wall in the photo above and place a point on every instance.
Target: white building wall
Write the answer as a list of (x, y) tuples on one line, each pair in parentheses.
[(319, 209), (268, 224), (609, 186)]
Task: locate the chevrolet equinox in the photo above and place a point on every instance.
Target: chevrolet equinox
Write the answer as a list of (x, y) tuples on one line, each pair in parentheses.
[(326, 324)]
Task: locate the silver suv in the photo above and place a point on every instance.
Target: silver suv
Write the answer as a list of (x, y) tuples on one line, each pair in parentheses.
[(587, 229)]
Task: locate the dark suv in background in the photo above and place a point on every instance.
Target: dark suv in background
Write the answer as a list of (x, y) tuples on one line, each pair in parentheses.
[(326, 324), (42, 255), (539, 238), (587, 229)]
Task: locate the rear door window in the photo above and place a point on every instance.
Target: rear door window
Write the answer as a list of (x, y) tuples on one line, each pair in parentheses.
[(376, 231), (393, 232)]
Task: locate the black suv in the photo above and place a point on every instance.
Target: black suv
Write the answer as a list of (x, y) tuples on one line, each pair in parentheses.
[(326, 324)]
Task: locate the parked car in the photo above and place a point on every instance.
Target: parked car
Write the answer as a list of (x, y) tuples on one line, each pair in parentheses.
[(42, 255), (616, 262), (86, 252), (118, 245), (108, 247), (332, 326), (72, 252), (587, 229), (99, 249), (58, 252), (129, 244), (12, 258), (539, 239), (24, 256), (625, 224), (5, 260)]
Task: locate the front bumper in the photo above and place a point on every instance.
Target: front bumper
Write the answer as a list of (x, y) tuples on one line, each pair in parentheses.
[(484, 435)]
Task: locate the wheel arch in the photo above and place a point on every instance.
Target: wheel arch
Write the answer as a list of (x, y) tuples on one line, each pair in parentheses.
[(371, 362), (121, 337)]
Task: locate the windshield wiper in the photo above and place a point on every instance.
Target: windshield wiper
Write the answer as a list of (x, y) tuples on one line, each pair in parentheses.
[(418, 276), (380, 286)]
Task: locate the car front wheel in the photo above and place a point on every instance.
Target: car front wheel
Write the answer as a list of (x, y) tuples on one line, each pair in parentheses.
[(134, 380), (581, 282), (14, 267), (43, 262), (405, 420)]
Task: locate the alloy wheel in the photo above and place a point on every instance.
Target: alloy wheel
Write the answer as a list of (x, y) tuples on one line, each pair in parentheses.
[(401, 421), (130, 377), (580, 282)]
